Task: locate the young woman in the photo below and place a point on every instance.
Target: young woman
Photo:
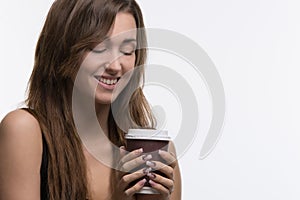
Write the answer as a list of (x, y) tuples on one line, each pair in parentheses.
[(41, 153)]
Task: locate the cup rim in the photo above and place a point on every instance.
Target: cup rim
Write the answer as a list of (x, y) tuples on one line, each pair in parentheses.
[(143, 134)]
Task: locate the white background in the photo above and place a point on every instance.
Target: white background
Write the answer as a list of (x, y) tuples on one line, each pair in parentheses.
[(255, 46)]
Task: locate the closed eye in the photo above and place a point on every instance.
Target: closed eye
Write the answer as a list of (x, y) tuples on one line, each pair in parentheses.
[(128, 53), (127, 49), (98, 51)]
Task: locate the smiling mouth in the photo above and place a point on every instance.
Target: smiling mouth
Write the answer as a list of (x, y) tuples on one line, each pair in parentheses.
[(107, 81)]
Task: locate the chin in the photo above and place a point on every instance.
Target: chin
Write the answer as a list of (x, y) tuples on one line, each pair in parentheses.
[(103, 98)]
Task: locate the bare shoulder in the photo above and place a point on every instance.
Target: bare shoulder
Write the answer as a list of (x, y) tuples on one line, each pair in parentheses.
[(19, 120), (20, 131), (20, 156)]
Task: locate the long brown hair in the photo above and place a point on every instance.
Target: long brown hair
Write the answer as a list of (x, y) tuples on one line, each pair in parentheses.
[(71, 29)]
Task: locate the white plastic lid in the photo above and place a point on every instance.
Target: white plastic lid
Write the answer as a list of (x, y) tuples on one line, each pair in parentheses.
[(147, 134), (148, 190)]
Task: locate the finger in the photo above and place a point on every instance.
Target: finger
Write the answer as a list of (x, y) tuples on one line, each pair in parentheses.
[(125, 156), (134, 189), (122, 151), (168, 183), (161, 189), (169, 157), (128, 178), (132, 155), (165, 169), (132, 164)]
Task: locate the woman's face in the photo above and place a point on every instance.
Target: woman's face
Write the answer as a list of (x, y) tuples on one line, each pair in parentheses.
[(107, 63)]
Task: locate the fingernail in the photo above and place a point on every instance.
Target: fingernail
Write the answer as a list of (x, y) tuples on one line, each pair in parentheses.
[(147, 157), (161, 151), (147, 170), (151, 175), (122, 147), (142, 182), (152, 183), (139, 151), (151, 164)]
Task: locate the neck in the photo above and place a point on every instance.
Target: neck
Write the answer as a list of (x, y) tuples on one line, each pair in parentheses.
[(91, 121), (102, 113), (90, 117)]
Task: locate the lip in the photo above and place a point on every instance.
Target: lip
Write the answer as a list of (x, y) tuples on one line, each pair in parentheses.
[(106, 86)]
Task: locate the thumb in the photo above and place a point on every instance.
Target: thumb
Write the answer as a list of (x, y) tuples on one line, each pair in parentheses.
[(122, 151)]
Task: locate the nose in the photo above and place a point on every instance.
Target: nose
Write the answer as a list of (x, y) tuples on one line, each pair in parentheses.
[(114, 67)]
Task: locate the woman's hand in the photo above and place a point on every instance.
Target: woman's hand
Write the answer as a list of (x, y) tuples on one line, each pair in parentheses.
[(163, 184), (125, 190)]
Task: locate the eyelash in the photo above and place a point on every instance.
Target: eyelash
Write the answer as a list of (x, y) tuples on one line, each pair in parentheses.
[(128, 54), (98, 51), (102, 51)]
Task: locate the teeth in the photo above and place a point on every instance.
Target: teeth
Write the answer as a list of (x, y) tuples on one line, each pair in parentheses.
[(108, 81)]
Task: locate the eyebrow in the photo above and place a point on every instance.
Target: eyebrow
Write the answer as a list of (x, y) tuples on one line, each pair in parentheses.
[(124, 41), (129, 40)]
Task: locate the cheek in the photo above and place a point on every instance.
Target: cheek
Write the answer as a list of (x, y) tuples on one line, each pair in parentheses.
[(129, 63), (84, 79), (89, 63)]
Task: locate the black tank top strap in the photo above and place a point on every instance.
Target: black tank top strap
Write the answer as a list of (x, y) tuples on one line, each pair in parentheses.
[(44, 192), (44, 172)]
